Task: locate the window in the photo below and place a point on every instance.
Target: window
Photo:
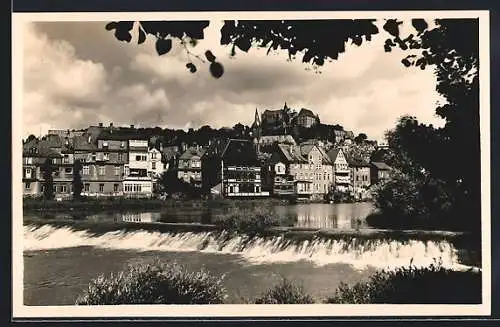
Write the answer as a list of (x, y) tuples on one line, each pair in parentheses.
[(27, 172), (105, 144), (86, 170), (127, 171), (122, 145), (68, 170), (93, 156), (54, 161), (56, 173), (63, 188), (138, 158), (153, 155), (106, 156), (101, 187), (102, 170), (28, 160), (120, 156), (66, 159), (153, 165), (27, 186), (115, 187), (117, 171)]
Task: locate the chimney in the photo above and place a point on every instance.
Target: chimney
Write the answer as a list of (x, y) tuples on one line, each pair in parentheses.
[(132, 126), (100, 124), (111, 124)]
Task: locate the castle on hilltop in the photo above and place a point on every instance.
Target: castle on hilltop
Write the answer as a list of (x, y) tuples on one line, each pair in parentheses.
[(282, 121)]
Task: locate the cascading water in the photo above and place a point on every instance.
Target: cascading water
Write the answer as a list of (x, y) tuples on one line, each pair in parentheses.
[(381, 254)]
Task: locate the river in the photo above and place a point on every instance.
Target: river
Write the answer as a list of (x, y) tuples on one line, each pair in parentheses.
[(59, 262)]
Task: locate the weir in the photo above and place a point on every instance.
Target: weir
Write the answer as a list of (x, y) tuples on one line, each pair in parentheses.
[(361, 253)]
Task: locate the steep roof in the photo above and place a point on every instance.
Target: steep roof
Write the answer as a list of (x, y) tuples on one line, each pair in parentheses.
[(192, 152), (306, 112), (82, 143), (291, 153), (238, 151), (121, 134), (333, 153), (40, 148), (381, 165)]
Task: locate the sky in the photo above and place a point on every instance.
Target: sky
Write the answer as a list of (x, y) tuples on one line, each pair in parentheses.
[(76, 74)]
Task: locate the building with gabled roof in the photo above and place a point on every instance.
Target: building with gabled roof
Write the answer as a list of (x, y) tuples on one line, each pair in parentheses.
[(231, 168)]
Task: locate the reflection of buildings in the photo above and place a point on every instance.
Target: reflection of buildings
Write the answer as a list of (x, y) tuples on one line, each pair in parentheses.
[(141, 217)]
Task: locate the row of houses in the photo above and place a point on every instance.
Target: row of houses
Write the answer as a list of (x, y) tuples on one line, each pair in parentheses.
[(122, 162), (115, 162)]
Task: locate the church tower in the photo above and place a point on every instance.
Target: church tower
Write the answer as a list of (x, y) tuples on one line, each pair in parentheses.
[(256, 126), (256, 130)]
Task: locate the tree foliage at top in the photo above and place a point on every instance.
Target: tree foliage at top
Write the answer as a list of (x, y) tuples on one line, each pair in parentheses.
[(316, 41)]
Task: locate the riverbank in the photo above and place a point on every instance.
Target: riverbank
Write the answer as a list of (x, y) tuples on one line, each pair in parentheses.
[(110, 204), (91, 205)]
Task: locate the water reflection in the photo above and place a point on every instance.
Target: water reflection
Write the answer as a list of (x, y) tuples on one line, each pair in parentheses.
[(317, 215)]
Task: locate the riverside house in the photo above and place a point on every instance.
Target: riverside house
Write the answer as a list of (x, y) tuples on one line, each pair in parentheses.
[(340, 170), (360, 178), (189, 165), (310, 167), (34, 155), (231, 169)]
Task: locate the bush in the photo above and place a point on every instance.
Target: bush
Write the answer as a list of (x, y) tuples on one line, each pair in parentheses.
[(410, 285), (286, 292), (256, 220), (155, 283)]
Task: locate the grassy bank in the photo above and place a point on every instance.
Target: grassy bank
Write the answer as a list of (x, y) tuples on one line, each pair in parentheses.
[(90, 205)]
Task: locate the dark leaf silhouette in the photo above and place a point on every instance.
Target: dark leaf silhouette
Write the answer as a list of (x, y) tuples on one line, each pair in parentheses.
[(419, 24), (111, 26), (191, 67), (392, 27), (216, 69), (210, 56), (243, 44), (163, 46)]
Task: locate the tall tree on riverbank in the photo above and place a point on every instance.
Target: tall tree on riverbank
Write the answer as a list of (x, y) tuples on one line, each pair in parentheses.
[(48, 179), (77, 179)]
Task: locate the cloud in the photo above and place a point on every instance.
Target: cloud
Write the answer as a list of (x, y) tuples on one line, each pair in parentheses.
[(77, 73)]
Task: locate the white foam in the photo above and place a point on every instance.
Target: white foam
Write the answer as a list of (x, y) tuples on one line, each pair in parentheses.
[(382, 254)]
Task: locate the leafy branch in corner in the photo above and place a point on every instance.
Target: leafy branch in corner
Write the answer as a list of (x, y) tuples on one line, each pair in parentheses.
[(188, 32)]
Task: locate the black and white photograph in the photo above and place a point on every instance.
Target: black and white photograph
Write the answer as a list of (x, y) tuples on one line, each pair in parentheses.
[(234, 164)]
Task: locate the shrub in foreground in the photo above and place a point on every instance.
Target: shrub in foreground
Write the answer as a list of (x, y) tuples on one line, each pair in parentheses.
[(286, 292), (430, 285), (155, 283)]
